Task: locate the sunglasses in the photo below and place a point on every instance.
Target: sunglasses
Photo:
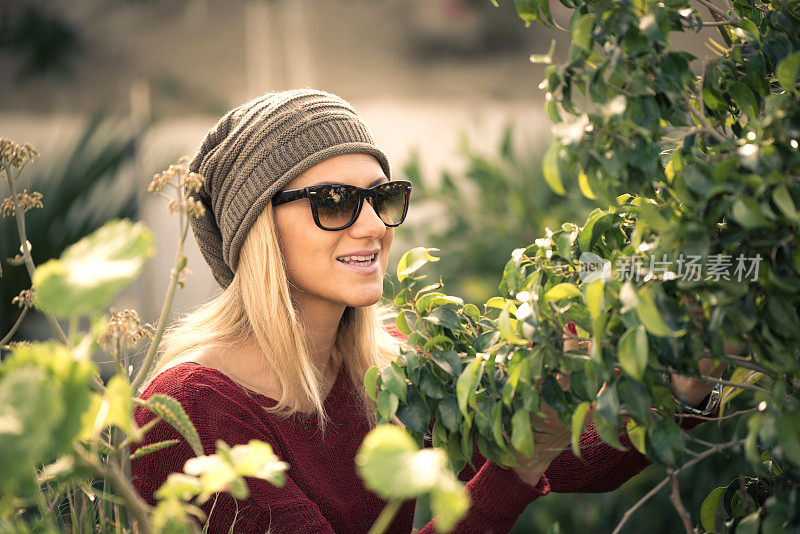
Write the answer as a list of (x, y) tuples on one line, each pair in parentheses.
[(337, 206)]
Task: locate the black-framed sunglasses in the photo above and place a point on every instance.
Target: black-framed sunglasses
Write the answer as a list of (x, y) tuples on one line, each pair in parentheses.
[(337, 206)]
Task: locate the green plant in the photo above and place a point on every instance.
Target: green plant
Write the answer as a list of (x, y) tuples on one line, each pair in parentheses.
[(691, 253), (483, 214), (86, 184), (64, 434)]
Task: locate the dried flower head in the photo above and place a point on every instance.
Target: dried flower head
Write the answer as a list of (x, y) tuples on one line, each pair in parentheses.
[(124, 329), (163, 178), (14, 155), (26, 200), (25, 298), (189, 206), (192, 182)]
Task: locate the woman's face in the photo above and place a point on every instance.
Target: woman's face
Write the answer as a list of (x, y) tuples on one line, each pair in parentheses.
[(311, 253)]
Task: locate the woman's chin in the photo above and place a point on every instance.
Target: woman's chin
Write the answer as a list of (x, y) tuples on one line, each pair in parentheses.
[(361, 301)]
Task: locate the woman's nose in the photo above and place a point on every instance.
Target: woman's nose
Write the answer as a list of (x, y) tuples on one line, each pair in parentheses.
[(368, 221)]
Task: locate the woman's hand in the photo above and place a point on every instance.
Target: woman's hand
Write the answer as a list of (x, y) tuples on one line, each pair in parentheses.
[(550, 436), (693, 389)]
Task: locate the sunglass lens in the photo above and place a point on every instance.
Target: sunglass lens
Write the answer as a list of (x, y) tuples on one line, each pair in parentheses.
[(391, 203), (336, 205)]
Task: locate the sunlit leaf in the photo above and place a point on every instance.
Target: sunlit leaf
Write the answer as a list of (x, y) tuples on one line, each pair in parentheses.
[(93, 270)]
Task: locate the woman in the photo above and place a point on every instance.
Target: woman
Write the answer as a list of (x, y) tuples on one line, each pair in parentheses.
[(281, 353)]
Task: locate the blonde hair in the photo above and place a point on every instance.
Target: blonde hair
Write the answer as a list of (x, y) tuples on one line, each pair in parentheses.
[(257, 306)]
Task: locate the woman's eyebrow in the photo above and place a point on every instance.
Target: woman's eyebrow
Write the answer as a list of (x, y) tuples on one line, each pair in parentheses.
[(376, 182)]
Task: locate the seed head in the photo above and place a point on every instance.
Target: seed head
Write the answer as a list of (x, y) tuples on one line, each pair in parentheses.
[(126, 328), (25, 298), (14, 155), (25, 200)]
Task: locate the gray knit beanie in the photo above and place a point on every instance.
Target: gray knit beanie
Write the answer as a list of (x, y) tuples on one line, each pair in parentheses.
[(254, 151)]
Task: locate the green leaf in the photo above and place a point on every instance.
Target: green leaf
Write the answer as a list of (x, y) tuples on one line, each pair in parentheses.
[(789, 437), (448, 360), (446, 317), (412, 260), (552, 170), (449, 504), (414, 414), (391, 465), (472, 311), (577, 426), (708, 510), (562, 291), (637, 434), (522, 432), (782, 199), (370, 380), (534, 11), (467, 382), (394, 380), (633, 351), (402, 323), (593, 297), (506, 326), (71, 372), (440, 340), (387, 404), (120, 409), (92, 271), (648, 314), (581, 32), (667, 441), (172, 412), (747, 213), (153, 447), (179, 486), (607, 431), (29, 410), (749, 525), (584, 186), (745, 100), (449, 414), (787, 71)]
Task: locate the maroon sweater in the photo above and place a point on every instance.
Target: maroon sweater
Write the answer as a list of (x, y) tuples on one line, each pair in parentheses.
[(323, 492)]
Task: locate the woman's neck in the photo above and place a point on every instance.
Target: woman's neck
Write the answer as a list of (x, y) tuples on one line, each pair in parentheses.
[(321, 320)]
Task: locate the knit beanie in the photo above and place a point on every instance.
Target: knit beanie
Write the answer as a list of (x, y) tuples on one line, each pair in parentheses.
[(254, 151)]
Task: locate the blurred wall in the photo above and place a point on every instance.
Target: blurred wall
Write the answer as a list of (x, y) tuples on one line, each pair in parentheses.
[(417, 70)]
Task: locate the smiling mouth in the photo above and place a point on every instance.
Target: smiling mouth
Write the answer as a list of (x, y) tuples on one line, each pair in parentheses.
[(362, 261)]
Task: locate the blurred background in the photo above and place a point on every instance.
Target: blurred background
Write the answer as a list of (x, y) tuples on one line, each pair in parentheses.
[(113, 91)]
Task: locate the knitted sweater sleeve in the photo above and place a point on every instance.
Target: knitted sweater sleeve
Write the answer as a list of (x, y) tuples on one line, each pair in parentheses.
[(281, 509), (498, 496), (601, 468)]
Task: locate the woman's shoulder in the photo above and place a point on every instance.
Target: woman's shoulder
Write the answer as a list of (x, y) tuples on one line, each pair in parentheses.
[(187, 379)]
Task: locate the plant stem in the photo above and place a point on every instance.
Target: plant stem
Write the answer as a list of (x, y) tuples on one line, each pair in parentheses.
[(26, 252), (726, 22), (712, 8), (165, 309), (740, 385), (14, 328), (675, 497), (41, 502), (134, 503), (702, 120), (385, 519), (705, 454)]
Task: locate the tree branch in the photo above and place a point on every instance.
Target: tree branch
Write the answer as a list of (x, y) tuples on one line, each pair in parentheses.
[(675, 497), (705, 454)]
